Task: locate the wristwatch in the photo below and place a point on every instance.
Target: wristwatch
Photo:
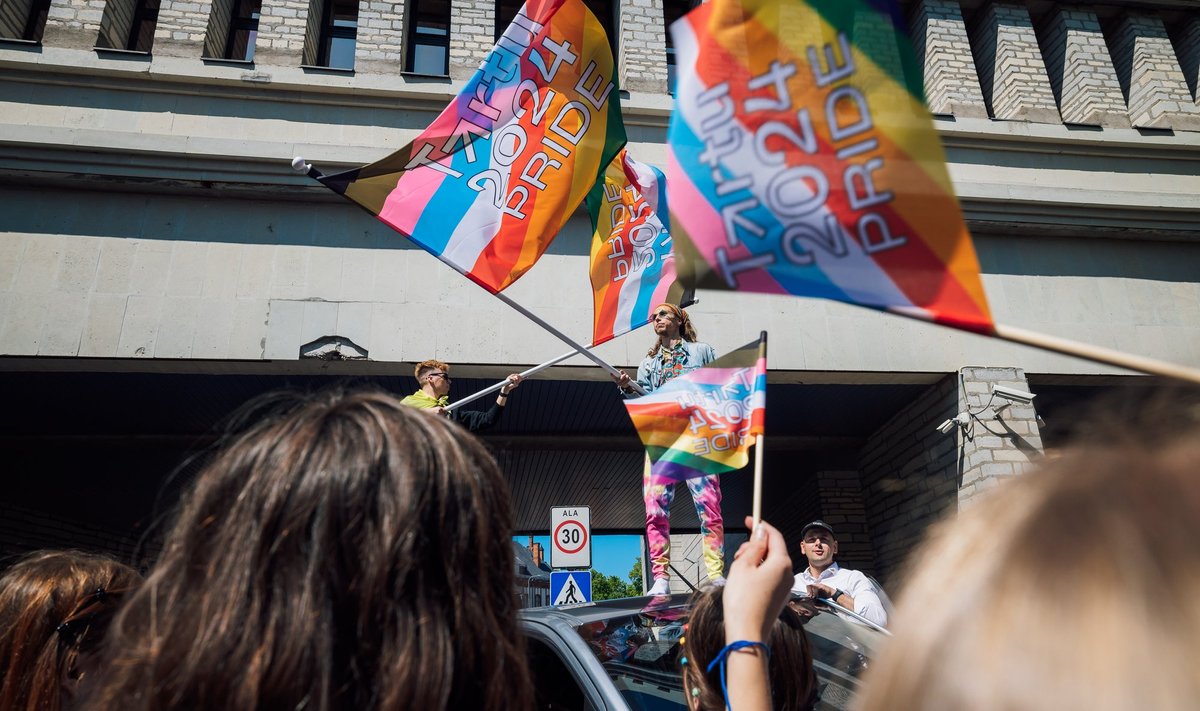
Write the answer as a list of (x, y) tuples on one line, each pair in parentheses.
[(836, 594)]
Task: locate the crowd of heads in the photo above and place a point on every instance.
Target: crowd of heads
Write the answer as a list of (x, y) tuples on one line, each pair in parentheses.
[(339, 551)]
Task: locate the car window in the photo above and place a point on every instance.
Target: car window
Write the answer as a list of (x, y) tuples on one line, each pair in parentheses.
[(640, 652), (555, 686)]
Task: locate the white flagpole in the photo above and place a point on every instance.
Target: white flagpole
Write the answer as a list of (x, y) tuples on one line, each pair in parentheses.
[(535, 369)]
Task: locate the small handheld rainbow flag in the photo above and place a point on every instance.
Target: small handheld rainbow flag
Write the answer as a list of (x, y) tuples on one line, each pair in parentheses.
[(704, 421), (492, 180), (633, 269), (804, 161)]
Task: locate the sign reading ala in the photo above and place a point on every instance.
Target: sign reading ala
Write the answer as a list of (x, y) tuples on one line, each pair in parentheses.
[(571, 537)]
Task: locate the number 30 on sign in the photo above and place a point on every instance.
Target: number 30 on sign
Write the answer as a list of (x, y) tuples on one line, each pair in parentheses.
[(570, 537)]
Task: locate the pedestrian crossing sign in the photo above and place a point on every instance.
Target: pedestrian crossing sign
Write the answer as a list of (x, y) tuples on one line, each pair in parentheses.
[(570, 587)]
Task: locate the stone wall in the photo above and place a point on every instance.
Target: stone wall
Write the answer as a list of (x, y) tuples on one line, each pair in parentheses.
[(909, 473), (379, 44), (472, 34), (944, 51), (642, 47), (182, 26), (1002, 440), (1011, 71), (1081, 70), (1156, 91)]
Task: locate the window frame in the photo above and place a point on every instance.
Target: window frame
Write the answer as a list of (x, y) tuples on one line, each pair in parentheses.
[(330, 32), (413, 32), (238, 24)]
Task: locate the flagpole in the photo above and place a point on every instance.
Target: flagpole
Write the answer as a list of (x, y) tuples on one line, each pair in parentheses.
[(1098, 354), (756, 507), (535, 369)]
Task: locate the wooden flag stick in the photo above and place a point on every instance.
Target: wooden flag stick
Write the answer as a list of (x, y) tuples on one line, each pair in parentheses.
[(1098, 354), (756, 506)]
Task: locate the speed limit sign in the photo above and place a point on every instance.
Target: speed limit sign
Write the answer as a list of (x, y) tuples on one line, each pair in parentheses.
[(571, 537)]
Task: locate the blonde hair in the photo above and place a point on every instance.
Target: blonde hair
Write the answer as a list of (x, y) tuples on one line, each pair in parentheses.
[(686, 330), (427, 365), (1074, 587)]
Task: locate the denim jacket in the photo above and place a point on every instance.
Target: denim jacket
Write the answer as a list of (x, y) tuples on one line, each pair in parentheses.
[(650, 372)]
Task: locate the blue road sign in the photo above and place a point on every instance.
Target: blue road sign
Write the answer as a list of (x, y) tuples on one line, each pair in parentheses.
[(570, 587)]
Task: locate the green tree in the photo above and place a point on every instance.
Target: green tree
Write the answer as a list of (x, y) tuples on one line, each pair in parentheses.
[(635, 579), (607, 587)]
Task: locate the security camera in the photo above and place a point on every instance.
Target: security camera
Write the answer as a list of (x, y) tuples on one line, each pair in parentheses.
[(959, 420), (1013, 394)]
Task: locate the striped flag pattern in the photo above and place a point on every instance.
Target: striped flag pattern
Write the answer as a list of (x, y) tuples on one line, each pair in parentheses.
[(632, 267), (704, 421), (492, 180), (804, 161)]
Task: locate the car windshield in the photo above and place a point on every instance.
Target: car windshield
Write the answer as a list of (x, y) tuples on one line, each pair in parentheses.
[(640, 653)]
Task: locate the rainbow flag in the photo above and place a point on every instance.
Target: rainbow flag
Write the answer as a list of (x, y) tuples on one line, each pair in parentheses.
[(804, 161), (488, 185), (704, 421), (633, 269)]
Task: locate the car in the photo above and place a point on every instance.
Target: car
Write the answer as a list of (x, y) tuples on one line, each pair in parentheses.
[(621, 655)]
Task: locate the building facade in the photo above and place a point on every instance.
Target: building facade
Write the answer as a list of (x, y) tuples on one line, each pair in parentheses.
[(160, 262)]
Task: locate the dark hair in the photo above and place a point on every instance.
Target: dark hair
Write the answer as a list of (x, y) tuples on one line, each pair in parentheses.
[(345, 552), (793, 680), (55, 607)]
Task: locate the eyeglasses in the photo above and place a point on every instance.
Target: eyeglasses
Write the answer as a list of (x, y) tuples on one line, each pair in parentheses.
[(444, 375), (661, 314)]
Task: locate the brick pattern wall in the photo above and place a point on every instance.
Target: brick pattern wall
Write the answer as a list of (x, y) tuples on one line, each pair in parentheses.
[(472, 34), (282, 29), (1011, 71), (998, 447), (642, 47), (1081, 70), (909, 475), (841, 498), (73, 23), (379, 44), (1155, 89), (25, 530), (940, 40), (13, 16), (181, 27)]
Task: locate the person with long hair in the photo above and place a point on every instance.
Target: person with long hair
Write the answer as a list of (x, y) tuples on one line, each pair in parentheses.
[(343, 552), (1072, 587), (792, 680), (55, 607), (676, 351)]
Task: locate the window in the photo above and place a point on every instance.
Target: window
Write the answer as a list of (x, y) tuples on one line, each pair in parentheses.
[(672, 11), (141, 30), (428, 39), (243, 30), (604, 10), (23, 19), (339, 27)]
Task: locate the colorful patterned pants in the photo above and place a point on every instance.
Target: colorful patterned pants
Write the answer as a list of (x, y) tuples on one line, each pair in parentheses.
[(706, 494)]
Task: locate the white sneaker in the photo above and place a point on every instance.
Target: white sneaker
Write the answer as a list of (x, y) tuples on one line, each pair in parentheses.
[(662, 586)]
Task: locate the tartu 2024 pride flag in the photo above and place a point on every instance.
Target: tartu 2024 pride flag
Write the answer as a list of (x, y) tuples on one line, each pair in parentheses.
[(704, 421), (633, 269), (804, 161), (488, 185)]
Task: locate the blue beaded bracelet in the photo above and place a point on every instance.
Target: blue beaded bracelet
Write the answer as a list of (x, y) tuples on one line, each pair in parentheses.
[(724, 654)]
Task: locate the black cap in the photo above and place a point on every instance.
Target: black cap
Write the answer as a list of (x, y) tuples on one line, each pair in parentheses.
[(818, 524)]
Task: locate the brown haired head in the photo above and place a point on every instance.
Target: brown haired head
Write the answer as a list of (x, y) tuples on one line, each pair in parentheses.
[(55, 607), (1072, 587), (687, 331), (345, 553), (427, 366), (793, 680)]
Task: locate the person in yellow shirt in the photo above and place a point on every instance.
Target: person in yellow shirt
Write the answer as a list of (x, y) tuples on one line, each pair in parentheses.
[(433, 376)]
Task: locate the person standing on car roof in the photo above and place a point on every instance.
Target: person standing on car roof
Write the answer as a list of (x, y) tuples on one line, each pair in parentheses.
[(675, 352), (825, 579)]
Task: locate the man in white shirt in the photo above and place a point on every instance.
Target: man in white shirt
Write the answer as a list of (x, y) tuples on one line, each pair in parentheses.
[(826, 579)]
